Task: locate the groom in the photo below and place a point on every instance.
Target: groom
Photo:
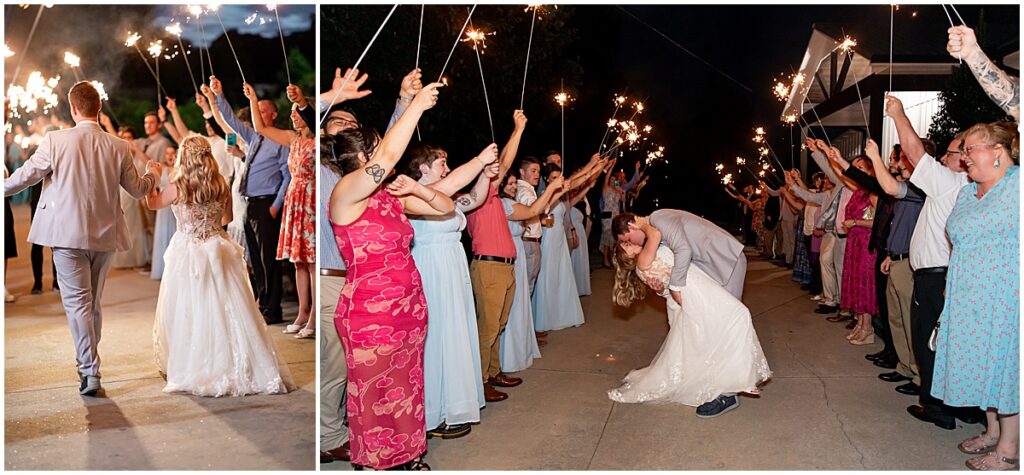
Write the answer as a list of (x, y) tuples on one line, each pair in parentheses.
[(79, 215), (695, 240)]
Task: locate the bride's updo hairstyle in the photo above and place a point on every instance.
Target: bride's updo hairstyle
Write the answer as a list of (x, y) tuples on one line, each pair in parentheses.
[(629, 288), (196, 173)]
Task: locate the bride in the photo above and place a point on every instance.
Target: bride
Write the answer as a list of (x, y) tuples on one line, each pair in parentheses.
[(208, 335), (711, 352)]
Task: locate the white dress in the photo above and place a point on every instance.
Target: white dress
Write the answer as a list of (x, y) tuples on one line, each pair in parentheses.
[(711, 347), (208, 335)]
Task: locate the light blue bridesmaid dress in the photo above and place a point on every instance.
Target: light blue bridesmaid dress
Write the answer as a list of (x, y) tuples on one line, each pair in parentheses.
[(580, 255), (163, 230), (518, 341), (556, 302), (453, 385)]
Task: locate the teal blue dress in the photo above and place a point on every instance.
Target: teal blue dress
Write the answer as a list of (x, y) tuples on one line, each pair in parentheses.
[(518, 346), (580, 255), (453, 387), (977, 359), (556, 301)]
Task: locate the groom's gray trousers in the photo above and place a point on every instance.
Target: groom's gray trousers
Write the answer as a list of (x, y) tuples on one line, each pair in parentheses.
[(81, 275)]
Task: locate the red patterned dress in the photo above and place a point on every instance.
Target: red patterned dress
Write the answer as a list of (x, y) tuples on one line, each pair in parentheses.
[(382, 322), (298, 219)]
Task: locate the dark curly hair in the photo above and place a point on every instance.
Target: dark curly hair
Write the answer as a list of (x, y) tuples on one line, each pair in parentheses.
[(341, 151)]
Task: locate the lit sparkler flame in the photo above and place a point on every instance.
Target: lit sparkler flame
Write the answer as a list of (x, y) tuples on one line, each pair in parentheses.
[(174, 29), (790, 118), (271, 7), (7, 51), (538, 8), (727, 179), (647, 129), (562, 98), (639, 106), (156, 48), (99, 88), (612, 122), (71, 59), (194, 10), (763, 151), (133, 38), (741, 161), (38, 93), (478, 37), (719, 167), (781, 91), (213, 7), (619, 100), (847, 44), (759, 131)]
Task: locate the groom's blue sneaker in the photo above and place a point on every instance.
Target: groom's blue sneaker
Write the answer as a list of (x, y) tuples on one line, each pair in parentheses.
[(718, 406), (90, 386)]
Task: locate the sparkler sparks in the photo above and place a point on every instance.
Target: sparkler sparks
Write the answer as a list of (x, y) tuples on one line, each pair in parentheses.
[(847, 44), (538, 8), (38, 93), (156, 48), (133, 38), (99, 88), (174, 29), (619, 100), (727, 179), (72, 60), (479, 39), (7, 51), (562, 99), (194, 10)]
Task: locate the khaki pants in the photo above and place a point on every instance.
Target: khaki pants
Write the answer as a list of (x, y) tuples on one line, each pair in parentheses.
[(833, 250), (494, 286), (333, 381), (899, 292)]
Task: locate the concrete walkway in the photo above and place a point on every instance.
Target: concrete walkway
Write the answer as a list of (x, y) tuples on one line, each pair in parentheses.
[(824, 409), (49, 426)]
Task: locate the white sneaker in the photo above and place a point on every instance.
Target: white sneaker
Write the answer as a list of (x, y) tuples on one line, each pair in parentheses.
[(817, 298), (8, 297)]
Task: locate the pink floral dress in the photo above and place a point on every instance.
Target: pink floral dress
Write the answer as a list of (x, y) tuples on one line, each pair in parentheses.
[(858, 287), (298, 220), (382, 322)]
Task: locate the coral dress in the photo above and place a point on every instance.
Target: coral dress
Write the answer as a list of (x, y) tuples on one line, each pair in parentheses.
[(382, 322), (298, 221), (858, 290)]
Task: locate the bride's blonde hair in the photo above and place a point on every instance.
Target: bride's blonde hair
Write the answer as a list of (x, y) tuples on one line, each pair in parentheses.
[(196, 173), (629, 288)]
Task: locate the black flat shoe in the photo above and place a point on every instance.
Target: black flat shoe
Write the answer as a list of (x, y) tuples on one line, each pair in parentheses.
[(886, 364), (446, 431), (826, 309)]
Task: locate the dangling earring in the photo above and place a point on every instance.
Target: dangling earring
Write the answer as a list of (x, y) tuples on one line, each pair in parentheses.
[(997, 163)]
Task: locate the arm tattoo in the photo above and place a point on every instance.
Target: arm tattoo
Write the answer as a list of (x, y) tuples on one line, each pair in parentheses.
[(1003, 89), (464, 201), (375, 171)]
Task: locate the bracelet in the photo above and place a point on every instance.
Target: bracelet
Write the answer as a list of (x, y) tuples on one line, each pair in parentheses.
[(404, 101)]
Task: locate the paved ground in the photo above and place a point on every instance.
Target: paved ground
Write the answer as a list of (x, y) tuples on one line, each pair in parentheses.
[(47, 425), (824, 409)]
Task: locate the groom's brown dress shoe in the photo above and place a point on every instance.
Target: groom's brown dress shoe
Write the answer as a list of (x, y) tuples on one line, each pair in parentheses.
[(493, 395), (341, 453), (504, 380)]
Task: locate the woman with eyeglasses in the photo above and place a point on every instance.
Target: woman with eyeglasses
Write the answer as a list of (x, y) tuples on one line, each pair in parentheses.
[(381, 316), (977, 348)]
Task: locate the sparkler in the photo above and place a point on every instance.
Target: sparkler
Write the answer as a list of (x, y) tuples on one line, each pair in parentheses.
[(951, 25), (457, 39), (74, 62), (155, 50), (31, 33), (360, 60), (280, 34), (759, 137), (618, 101), (38, 93), (529, 44), (7, 51), (175, 29), (892, 19), (231, 46), (419, 39), (197, 11), (478, 38), (561, 99), (133, 42)]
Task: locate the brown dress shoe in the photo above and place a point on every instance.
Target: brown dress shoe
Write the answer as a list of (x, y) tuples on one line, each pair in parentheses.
[(341, 453), (493, 395), (541, 334), (505, 381)]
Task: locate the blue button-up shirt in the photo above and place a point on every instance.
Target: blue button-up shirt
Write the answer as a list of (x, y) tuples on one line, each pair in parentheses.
[(267, 161)]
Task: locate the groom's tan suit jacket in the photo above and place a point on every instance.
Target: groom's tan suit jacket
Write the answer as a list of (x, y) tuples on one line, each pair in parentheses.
[(80, 205)]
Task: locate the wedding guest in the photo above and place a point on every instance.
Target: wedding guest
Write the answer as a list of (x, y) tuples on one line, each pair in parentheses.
[(165, 223), (526, 194), (10, 241), (154, 144), (556, 303), (264, 185), (519, 345), (452, 378), (297, 240), (1003, 89), (135, 212), (611, 205), (389, 324)]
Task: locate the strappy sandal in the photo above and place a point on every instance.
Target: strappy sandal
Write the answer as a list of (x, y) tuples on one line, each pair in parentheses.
[(305, 333), (984, 449), (417, 465), (986, 463)]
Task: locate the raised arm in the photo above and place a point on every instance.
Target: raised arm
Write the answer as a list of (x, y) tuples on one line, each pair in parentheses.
[(204, 101), (818, 154), (357, 186), (161, 113), (246, 133), (886, 181), (911, 143), (508, 153), (478, 194), (1002, 88), (418, 199), (411, 85), (522, 212), (465, 173), (280, 136), (179, 124), (349, 92)]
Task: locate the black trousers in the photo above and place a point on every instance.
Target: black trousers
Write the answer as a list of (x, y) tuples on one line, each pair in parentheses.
[(261, 234), (880, 321), (36, 254), (815, 260), (925, 308)]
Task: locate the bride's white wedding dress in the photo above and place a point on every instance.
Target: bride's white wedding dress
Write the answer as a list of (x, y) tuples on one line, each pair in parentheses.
[(711, 347), (208, 335)]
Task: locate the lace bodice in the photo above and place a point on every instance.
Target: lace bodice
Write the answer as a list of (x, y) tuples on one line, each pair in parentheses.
[(660, 271), (200, 221)]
